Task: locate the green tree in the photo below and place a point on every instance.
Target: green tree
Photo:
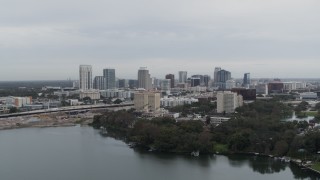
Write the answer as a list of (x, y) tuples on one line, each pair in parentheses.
[(13, 110), (117, 101)]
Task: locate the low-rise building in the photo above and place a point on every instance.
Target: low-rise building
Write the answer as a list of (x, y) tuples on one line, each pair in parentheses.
[(176, 101), (308, 95), (92, 94), (218, 120), (116, 93), (18, 101)]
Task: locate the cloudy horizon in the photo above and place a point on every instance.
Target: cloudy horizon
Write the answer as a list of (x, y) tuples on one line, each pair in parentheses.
[(48, 40)]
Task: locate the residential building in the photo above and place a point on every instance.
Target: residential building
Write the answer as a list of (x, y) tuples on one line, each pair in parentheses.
[(147, 101), (176, 101), (85, 73), (93, 94), (18, 101), (116, 93), (228, 101)]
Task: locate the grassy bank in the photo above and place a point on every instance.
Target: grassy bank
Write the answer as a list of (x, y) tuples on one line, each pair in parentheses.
[(316, 166)]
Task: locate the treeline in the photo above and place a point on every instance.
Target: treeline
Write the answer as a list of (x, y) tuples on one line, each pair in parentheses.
[(256, 127)]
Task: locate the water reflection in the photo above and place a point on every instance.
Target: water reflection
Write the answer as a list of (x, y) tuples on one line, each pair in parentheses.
[(262, 165), (299, 173), (258, 164)]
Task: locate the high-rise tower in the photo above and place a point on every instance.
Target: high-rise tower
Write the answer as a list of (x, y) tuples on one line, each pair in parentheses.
[(144, 79), (109, 78), (215, 75), (182, 76), (85, 77), (171, 77), (246, 80)]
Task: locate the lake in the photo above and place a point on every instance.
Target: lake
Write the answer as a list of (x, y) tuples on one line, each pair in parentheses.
[(81, 153)]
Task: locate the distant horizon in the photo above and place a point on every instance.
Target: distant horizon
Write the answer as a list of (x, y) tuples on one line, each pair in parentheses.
[(1, 81), (49, 39)]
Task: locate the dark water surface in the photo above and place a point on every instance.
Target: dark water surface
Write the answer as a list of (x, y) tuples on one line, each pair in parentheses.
[(81, 153)]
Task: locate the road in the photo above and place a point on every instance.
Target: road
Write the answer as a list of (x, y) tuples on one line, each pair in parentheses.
[(66, 109)]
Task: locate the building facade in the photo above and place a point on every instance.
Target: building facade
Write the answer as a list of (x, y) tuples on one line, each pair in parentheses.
[(109, 78), (222, 77), (171, 78), (85, 77), (246, 80), (144, 79), (98, 82), (183, 76), (228, 101), (147, 101)]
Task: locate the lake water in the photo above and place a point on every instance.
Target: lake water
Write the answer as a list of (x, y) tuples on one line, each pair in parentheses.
[(81, 153)]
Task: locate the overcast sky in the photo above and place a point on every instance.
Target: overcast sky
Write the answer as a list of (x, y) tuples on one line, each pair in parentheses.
[(49, 39)]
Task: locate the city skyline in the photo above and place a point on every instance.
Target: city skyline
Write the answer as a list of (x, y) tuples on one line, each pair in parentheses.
[(269, 39)]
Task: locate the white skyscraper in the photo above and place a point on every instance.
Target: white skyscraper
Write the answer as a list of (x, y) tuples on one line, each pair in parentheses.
[(182, 76), (85, 74)]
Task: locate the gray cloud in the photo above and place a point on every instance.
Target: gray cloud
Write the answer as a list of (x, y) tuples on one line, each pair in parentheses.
[(48, 39)]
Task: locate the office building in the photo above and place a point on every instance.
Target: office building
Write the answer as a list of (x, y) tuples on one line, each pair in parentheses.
[(166, 85), (215, 75), (109, 78), (144, 79), (123, 83), (246, 80), (247, 94), (98, 82), (201, 77), (133, 84), (230, 84), (147, 101), (85, 73), (262, 89), (206, 80), (156, 83), (195, 82), (228, 101), (222, 77), (183, 76), (18, 101), (275, 87), (171, 77)]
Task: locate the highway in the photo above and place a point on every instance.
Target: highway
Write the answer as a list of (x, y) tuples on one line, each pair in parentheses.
[(66, 109)]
